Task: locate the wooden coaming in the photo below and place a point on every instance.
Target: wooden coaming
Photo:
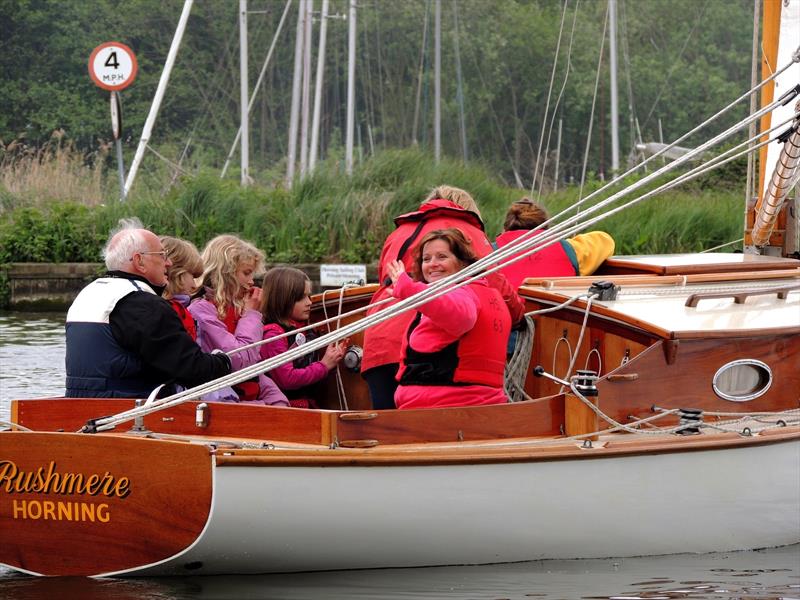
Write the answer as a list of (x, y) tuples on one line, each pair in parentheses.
[(686, 264), (543, 416), (157, 507), (224, 419), (686, 382)]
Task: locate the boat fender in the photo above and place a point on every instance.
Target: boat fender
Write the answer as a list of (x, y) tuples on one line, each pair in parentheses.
[(604, 290)]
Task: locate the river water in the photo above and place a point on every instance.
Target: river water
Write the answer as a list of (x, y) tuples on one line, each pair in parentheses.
[(32, 365)]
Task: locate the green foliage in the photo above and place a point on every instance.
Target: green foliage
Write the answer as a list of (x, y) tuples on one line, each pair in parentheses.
[(333, 218), (679, 62), (63, 232)]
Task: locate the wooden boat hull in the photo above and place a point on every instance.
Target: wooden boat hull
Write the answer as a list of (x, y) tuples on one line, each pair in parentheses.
[(87, 505), (308, 509)]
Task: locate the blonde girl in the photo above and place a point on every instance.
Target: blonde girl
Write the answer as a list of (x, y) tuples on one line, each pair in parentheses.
[(227, 314)]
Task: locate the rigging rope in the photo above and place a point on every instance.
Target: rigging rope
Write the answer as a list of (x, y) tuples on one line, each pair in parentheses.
[(594, 102), (496, 260), (549, 94), (558, 102)]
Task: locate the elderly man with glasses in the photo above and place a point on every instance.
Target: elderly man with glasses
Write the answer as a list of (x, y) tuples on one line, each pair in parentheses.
[(123, 339)]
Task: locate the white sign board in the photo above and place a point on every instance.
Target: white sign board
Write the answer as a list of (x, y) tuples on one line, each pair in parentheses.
[(338, 275), (113, 66)]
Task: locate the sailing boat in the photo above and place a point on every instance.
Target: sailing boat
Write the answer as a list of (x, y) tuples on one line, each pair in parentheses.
[(681, 433)]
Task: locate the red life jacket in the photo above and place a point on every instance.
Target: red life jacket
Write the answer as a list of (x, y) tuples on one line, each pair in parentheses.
[(557, 260), (381, 341), (477, 358), (247, 390), (186, 318)]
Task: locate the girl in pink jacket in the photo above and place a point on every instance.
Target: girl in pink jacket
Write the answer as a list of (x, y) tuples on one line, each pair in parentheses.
[(286, 306)]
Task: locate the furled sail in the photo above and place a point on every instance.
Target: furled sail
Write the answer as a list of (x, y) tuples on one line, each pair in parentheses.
[(778, 162)]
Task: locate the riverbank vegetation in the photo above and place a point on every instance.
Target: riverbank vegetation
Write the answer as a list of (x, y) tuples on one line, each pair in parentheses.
[(328, 217), (516, 76)]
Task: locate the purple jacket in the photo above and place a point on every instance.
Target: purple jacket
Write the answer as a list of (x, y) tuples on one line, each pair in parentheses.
[(212, 334)]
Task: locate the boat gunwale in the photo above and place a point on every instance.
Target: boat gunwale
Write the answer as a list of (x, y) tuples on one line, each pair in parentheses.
[(505, 451)]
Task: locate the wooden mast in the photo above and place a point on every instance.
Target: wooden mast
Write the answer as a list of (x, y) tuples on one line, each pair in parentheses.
[(782, 239)]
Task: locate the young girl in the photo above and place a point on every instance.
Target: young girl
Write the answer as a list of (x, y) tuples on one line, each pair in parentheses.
[(227, 315), (285, 306), (186, 267)]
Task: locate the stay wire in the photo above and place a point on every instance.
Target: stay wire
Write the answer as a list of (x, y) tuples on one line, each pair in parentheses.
[(549, 95)]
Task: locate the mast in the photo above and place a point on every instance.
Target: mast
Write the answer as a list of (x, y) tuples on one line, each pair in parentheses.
[(772, 227), (162, 87), (304, 122), (323, 29), (243, 89), (437, 82), (294, 116), (351, 87), (612, 57), (460, 93), (257, 85)]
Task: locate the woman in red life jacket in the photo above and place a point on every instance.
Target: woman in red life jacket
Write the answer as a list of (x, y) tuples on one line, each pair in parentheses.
[(228, 315), (445, 207), (454, 351), (186, 267), (285, 307), (580, 255)]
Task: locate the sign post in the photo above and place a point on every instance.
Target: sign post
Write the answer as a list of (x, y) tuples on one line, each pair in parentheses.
[(113, 67)]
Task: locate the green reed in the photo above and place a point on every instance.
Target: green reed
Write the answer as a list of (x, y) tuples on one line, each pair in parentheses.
[(330, 217)]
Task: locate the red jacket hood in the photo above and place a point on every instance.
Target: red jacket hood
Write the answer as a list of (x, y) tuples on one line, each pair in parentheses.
[(440, 206)]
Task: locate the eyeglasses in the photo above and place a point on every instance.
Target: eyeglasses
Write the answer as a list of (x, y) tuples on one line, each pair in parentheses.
[(161, 253)]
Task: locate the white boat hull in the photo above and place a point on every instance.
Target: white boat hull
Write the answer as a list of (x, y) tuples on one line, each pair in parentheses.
[(269, 518)]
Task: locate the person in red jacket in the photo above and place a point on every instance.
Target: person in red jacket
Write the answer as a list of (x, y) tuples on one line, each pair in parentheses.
[(445, 207), (454, 351), (579, 255)]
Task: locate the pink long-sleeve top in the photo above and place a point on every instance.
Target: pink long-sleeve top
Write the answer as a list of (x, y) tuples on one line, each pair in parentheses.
[(444, 320), (287, 376), (212, 334)]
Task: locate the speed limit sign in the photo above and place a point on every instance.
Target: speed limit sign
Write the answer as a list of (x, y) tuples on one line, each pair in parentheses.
[(112, 66)]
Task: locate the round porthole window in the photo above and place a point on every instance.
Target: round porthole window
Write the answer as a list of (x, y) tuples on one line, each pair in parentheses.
[(742, 380)]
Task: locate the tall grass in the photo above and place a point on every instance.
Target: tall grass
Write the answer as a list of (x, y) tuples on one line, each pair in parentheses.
[(31, 176), (326, 217)]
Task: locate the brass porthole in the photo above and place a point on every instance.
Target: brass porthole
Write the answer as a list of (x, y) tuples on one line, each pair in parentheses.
[(742, 380)]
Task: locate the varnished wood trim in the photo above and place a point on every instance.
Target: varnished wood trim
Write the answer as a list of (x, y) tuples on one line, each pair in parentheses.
[(515, 451), (155, 502), (649, 280), (734, 333)]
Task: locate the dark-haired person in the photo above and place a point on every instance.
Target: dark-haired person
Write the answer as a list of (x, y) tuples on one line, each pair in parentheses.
[(454, 350), (286, 306), (579, 255), (445, 207)]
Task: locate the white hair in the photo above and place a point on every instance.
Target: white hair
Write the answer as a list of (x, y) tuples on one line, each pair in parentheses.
[(125, 239)]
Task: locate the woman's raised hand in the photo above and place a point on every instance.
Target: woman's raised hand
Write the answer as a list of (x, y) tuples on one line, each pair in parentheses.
[(394, 269)]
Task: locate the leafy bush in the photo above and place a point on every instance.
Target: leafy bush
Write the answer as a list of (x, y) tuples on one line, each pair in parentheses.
[(61, 232)]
